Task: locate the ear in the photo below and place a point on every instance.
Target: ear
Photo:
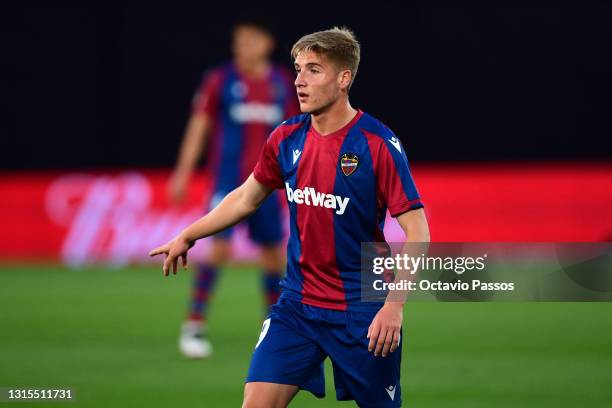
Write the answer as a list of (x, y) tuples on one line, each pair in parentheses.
[(344, 78)]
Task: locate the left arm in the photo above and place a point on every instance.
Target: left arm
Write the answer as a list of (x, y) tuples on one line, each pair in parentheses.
[(384, 332)]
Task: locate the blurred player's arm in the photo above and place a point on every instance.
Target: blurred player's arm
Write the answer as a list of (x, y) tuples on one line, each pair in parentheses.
[(192, 146), (236, 206), (204, 108)]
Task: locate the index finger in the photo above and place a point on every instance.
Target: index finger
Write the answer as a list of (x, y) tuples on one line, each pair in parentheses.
[(159, 250)]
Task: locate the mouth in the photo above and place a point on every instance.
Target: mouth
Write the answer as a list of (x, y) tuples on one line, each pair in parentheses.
[(302, 96)]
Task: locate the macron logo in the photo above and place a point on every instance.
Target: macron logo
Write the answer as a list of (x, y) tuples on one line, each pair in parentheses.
[(395, 142), (296, 155), (310, 196), (391, 391)]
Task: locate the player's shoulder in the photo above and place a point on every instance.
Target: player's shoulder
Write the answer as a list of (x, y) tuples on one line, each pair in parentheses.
[(375, 128), (300, 119), (217, 73), (289, 127)]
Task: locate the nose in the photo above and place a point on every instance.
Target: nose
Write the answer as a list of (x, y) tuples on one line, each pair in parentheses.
[(299, 80)]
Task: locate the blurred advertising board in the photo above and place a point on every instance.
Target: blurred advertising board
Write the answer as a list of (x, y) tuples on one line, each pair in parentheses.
[(116, 217)]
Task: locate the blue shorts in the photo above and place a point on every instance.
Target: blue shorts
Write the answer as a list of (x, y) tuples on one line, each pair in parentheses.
[(265, 225), (296, 338)]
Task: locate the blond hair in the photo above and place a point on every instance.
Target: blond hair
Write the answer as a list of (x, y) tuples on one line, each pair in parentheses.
[(338, 44)]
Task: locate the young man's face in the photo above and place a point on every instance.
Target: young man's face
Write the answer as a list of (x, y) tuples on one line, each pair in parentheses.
[(251, 43), (318, 82)]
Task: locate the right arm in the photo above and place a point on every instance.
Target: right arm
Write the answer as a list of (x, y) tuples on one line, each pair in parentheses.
[(236, 206), (205, 107), (192, 146)]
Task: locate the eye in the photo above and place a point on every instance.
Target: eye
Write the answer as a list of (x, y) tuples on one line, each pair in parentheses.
[(314, 70)]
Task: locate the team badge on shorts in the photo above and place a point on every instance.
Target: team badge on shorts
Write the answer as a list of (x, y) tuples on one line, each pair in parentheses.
[(349, 163)]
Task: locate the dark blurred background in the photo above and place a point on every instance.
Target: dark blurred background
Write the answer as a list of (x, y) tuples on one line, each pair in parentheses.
[(109, 84), (504, 109)]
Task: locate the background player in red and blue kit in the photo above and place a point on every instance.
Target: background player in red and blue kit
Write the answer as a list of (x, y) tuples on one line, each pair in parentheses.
[(341, 170), (236, 107)]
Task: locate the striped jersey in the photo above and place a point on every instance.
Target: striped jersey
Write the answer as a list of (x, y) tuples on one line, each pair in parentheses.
[(338, 189)]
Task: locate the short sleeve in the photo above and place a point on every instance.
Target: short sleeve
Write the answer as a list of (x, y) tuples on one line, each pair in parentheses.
[(395, 183), (267, 170), (206, 99)]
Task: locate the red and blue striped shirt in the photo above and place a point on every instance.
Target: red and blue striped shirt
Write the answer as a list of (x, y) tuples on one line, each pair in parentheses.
[(338, 189)]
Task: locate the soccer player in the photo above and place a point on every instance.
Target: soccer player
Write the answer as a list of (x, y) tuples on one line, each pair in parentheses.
[(341, 170), (237, 106)]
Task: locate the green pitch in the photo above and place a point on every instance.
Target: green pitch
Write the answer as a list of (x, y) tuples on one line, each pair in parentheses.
[(111, 335)]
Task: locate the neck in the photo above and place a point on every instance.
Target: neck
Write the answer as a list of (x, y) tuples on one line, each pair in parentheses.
[(254, 69), (335, 117)]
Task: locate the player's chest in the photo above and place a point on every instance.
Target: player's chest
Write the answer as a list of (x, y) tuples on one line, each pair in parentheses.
[(326, 164), (251, 103), (241, 91)]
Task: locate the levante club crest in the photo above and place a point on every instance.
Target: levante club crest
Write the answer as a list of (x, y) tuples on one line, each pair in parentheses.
[(349, 163)]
